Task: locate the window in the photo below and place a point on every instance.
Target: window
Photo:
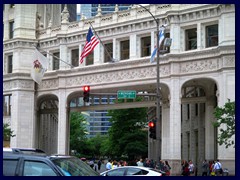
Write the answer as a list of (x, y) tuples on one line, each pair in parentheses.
[(191, 39), (124, 50), (212, 35), (188, 111), (89, 59), (34, 168), (10, 64), (11, 29), (116, 172), (196, 109), (108, 52), (7, 105), (134, 171), (56, 60), (145, 46), (75, 57)]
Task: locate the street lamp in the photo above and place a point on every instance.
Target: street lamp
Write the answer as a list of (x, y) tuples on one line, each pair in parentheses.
[(158, 81)]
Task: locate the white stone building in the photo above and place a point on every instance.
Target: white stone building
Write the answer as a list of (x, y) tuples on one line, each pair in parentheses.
[(196, 75)]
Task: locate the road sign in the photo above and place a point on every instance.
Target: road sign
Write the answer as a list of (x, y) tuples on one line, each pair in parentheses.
[(126, 94)]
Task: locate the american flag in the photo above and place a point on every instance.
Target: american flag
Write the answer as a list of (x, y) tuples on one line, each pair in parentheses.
[(91, 42)]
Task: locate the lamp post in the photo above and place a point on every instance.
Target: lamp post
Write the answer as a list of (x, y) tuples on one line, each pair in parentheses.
[(157, 86)]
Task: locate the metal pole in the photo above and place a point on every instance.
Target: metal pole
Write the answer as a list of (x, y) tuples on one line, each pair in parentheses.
[(158, 135), (158, 124)]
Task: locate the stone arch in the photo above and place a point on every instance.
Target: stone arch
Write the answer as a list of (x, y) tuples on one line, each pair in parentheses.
[(47, 123), (198, 136)]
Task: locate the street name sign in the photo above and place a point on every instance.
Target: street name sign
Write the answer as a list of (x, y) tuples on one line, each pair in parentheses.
[(123, 94)]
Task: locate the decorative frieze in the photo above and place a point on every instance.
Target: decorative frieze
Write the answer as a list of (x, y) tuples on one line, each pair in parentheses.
[(229, 61), (49, 84), (18, 84), (199, 66)]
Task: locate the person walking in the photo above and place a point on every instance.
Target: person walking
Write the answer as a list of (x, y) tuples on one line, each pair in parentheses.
[(140, 162), (217, 168), (191, 168), (205, 166), (167, 168), (185, 168), (99, 164), (109, 164)]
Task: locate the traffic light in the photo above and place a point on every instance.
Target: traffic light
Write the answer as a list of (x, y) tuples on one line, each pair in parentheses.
[(86, 93), (152, 129)]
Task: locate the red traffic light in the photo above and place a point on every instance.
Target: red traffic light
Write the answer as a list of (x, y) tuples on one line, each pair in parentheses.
[(151, 124), (86, 88)]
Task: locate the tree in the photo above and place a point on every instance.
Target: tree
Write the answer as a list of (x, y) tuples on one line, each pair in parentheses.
[(225, 119), (78, 132), (126, 134), (7, 132)]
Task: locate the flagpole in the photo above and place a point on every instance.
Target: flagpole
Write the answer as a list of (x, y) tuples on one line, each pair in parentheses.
[(37, 47), (105, 49)]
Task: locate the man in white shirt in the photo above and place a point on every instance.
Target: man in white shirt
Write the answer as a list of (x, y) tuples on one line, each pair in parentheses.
[(217, 168), (109, 165), (140, 163)]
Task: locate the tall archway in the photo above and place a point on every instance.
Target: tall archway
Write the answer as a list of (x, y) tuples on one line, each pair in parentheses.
[(47, 123), (198, 136)]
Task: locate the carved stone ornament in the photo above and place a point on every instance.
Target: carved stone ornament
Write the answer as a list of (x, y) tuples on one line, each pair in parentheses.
[(65, 15)]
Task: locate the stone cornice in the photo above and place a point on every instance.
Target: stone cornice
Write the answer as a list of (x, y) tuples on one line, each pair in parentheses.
[(205, 61), (77, 30), (141, 70)]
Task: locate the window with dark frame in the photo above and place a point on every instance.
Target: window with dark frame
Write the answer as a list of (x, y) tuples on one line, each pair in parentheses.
[(212, 35), (10, 64), (89, 59), (11, 29), (7, 103), (145, 46), (124, 50), (75, 57), (108, 52), (56, 60), (191, 39)]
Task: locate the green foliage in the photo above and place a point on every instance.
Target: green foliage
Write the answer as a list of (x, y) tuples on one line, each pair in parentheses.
[(7, 132), (225, 119), (126, 135), (78, 132)]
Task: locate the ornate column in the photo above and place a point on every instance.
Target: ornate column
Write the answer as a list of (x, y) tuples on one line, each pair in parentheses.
[(62, 123)]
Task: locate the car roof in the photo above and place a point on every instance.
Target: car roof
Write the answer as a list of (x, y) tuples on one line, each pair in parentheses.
[(23, 150)]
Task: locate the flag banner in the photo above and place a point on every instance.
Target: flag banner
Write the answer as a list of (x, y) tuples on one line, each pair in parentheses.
[(153, 55), (91, 42), (39, 66), (161, 38)]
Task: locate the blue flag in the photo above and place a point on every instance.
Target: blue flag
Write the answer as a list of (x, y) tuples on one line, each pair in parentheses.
[(161, 37)]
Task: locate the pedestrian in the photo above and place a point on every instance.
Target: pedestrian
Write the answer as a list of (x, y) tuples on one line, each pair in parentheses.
[(191, 168), (160, 165), (185, 169), (99, 164), (167, 168), (205, 167), (217, 168), (140, 162), (212, 172), (109, 164)]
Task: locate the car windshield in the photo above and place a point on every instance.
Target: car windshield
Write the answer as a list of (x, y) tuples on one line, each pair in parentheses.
[(72, 166)]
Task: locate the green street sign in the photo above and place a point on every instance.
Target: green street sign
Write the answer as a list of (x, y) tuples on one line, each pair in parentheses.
[(126, 94)]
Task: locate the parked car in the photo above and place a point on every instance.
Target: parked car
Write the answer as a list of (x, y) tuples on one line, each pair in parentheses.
[(132, 171), (34, 162)]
